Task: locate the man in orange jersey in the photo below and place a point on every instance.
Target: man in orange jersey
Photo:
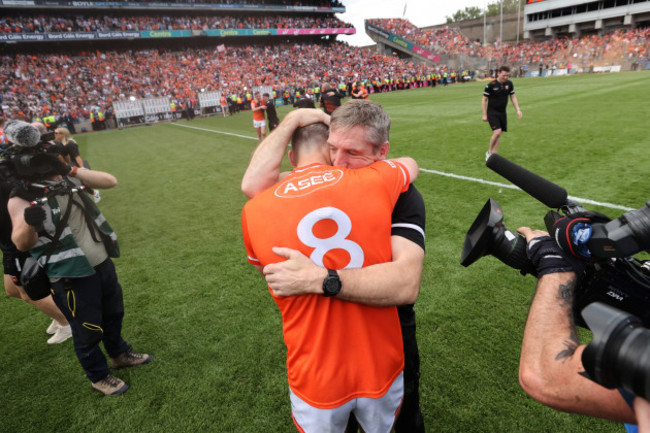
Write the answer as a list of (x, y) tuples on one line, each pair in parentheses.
[(341, 219), (356, 140), (259, 119), (224, 105)]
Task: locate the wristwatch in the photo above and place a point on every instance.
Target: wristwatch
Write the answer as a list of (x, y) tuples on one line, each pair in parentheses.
[(331, 284)]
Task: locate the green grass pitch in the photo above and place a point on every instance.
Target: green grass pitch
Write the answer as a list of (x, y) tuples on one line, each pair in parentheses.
[(194, 302)]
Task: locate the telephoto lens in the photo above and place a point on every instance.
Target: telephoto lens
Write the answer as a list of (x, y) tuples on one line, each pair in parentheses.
[(619, 355)]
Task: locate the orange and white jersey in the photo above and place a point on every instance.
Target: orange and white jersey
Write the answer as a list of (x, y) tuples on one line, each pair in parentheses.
[(339, 218), (257, 114)]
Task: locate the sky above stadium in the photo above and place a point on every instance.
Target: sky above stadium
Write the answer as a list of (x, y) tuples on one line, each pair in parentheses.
[(422, 13)]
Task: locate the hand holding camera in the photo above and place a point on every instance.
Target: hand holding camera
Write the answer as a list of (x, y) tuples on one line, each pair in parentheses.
[(547, 257), (34, 216)]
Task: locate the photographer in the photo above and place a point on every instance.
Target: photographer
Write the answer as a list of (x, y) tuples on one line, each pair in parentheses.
[(12, 261), (70, 238), (551, 355)]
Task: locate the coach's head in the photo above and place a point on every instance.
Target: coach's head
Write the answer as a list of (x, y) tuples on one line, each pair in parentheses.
[(358, 134)]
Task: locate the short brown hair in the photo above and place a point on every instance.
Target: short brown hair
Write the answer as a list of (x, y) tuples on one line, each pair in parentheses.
[(365, 113), (309, 137)]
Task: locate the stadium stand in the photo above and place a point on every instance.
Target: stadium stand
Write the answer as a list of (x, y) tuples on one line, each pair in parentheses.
[(179, 61), (76, 83), (71, 60), (584, 52)]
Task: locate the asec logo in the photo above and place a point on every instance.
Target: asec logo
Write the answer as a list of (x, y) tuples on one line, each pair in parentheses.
[(306, 184)]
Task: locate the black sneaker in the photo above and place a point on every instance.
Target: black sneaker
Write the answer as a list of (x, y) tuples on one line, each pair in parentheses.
[(130, 359)]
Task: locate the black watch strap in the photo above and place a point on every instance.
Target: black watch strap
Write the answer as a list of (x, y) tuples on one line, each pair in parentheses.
[(331, 284)]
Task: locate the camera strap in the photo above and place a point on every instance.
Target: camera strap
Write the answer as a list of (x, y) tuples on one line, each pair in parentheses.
[(92, 226), (63, 222)]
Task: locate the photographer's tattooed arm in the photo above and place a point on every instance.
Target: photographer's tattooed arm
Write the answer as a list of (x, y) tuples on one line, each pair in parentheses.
[(565, 301), (551, 356)]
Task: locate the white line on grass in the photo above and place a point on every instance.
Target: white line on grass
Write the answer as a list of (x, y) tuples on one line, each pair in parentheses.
[(212, 130), (441, 173), (504, 185)]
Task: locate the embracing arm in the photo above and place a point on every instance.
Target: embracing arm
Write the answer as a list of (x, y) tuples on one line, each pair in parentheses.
[(411, 167), (385, 284), (264, 169)]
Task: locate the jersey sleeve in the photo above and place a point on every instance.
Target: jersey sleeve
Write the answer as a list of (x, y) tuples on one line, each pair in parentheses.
[(252, 258), (409, 216), (486, 91), (394, 171), (512, 88)]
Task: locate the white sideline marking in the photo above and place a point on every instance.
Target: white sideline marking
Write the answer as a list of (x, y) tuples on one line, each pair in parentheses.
[(442, 173), (504, 185), (212, 130)]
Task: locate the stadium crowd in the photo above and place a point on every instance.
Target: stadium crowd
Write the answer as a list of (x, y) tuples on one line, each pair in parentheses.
[(75, 84), (112, 22), (559, 52)]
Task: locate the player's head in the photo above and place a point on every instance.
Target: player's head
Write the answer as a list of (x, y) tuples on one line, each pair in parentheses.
[(257, 95), (309, 142), (359, 131), (503, 73), (266, 96)]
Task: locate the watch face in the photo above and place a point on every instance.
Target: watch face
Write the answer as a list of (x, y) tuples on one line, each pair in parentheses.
[(331, 286)]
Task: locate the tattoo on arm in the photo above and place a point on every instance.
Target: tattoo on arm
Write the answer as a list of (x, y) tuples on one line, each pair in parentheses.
[(565, 298), (567, 353), (565, 295)]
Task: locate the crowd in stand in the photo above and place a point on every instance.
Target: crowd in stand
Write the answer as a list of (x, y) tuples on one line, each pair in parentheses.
[(581, 51), (75, 84), (105, 23)]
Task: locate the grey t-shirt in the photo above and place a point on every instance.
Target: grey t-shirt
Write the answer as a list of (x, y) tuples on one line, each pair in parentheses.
[(95, 251)]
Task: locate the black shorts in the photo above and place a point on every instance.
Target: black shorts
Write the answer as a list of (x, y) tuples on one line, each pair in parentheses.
[(13, 264), (498, 120)]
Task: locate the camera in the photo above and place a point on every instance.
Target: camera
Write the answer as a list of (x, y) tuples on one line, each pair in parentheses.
[(622, 282), (31, 163), (46, 138), (30, 155), (613, 292), (611, 275), (619, 355)]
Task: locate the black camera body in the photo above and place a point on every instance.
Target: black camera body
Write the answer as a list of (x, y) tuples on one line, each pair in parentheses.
[(612, 298), (29, 163), (620, 282)]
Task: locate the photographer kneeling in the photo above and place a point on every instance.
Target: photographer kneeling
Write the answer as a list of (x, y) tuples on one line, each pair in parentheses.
[(56, 221), (551, 356)]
